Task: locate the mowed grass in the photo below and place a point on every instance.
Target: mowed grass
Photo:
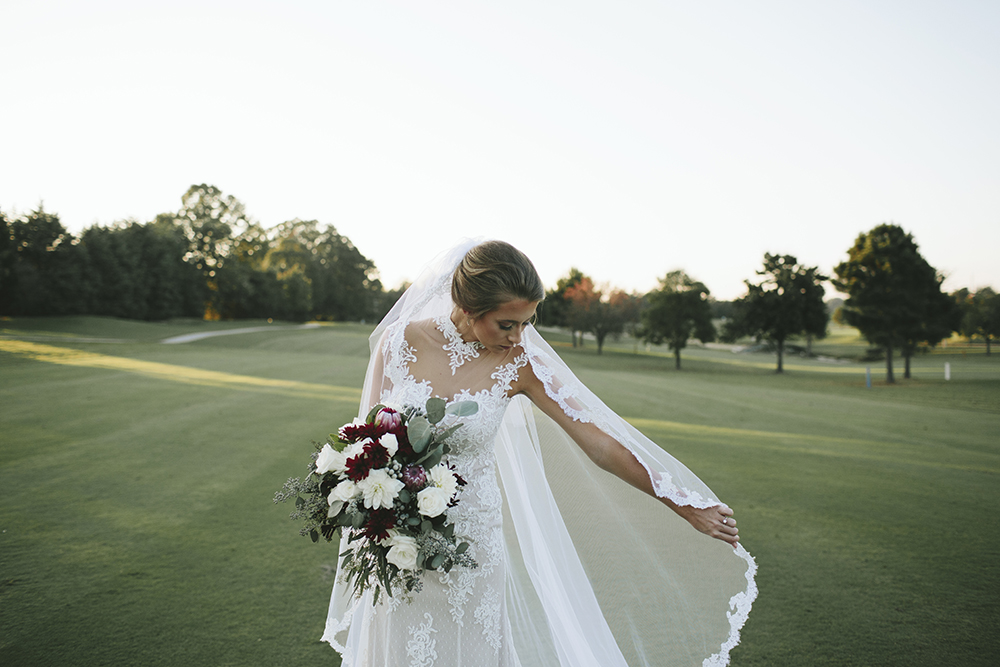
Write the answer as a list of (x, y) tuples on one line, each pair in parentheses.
[(138, 526)]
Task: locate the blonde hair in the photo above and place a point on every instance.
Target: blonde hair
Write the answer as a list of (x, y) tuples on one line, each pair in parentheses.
[(492, 274)]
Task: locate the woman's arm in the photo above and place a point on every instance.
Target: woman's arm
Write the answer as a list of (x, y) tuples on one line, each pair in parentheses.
[(614, 457)]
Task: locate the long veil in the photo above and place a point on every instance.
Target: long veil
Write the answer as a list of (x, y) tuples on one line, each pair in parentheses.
[(599, 574)]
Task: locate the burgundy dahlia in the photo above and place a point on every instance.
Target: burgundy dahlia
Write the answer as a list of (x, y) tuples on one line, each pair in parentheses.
[(351, 433), (378, 524), (377, 454), (358, 467)]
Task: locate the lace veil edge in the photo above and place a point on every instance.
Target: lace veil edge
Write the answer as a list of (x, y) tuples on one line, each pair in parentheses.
[(598, 573)]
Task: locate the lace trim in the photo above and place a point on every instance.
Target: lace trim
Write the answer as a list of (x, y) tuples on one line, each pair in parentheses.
[(459, 350), (739, 606), (335, 627)]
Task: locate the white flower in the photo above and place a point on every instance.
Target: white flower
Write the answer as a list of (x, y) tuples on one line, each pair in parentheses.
[(343, 491), (390, 443), (432, 501), (354, 450), (379, 489), (329, 459), (442, 477), (402, 552)]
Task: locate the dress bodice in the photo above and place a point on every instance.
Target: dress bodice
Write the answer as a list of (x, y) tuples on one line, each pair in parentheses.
[(429, 358)]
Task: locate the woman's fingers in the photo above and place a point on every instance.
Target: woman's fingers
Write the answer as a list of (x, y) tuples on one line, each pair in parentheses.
[(727, 530)]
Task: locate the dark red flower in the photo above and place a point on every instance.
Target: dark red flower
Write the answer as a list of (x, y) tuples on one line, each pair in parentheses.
[(351, 433), (377, 454), (378, 524), (358, 467), (414, 477), (405, 450)]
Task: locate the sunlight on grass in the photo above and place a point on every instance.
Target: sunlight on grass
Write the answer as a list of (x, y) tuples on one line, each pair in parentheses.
[(70, 357), (138, 519)]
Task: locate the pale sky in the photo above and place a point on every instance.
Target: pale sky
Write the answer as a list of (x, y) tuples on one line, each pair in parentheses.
[(625, 138)]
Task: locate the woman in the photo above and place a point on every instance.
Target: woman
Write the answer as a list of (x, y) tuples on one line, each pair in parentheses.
[(575, 569)]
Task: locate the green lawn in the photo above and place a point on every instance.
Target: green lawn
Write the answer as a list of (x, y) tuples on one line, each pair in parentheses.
[(138, 527)]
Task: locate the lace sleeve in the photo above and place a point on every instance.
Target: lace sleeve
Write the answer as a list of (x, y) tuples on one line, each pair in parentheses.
[(669, 478)]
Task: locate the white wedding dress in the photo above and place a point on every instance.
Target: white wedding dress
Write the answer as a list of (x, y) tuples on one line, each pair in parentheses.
[(576, 569)]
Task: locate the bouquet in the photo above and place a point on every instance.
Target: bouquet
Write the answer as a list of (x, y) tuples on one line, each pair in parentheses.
[(384, 481)]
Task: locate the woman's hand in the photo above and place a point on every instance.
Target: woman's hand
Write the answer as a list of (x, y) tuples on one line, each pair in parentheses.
[(715, 522)]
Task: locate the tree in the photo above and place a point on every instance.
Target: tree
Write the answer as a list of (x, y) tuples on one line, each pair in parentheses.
[(980, 314), (787, 302), (211, 222), (601, 312), (8, 257), (45, 267), (894, 295), (678, 311), (555, 309)]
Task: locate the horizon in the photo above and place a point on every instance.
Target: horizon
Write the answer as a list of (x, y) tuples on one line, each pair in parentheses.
[(627, 141)]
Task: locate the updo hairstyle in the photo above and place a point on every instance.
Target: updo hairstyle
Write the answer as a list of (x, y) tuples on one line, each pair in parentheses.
[(492, 274)]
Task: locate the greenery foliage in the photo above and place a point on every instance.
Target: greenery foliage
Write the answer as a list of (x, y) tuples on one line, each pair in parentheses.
[(980, 314), (895, 296), (600, 312), (787, 302), (209, 259), (676, 312)]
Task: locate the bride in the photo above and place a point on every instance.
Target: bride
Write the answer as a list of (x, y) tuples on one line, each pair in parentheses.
[(575, 568)]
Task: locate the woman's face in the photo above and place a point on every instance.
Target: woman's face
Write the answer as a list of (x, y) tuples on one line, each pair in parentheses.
[(500, 330)]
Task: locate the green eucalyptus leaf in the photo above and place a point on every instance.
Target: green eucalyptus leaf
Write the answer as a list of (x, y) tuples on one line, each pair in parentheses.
[(314, 535), (413, 521), (449, 530), (335, 509), (371, 413), (358, 519), (447, 432), (463, 408), (299, 502), (462, 548), (404, 496), (435, 409), (426, 526), (419, 433), (434, 457), (437, 561)]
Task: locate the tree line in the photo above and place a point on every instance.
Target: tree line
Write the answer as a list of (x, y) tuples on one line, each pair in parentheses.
[(894, 299), (206, 260), (210, 260)]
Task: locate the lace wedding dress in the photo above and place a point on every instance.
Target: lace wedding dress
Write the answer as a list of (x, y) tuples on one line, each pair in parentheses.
[(576, 569)]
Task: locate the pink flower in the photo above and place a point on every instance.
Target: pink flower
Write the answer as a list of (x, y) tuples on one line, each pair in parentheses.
[(414, 477), (388, 421)]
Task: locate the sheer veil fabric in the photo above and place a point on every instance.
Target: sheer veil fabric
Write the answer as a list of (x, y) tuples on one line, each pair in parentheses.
[(598, 573)]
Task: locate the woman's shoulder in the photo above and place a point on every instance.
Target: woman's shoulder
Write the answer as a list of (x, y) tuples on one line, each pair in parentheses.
[(411, 333)]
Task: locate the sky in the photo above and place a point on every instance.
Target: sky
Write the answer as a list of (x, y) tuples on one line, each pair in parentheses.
[(626, 139)]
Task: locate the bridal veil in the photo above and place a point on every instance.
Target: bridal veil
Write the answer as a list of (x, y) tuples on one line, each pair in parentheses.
[(599, 574)]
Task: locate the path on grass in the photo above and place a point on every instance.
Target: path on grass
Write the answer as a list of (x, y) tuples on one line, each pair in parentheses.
[(187, 338)]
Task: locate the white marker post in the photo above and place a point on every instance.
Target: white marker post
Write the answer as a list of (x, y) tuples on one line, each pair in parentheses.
[(947, 370), (868, 376)]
